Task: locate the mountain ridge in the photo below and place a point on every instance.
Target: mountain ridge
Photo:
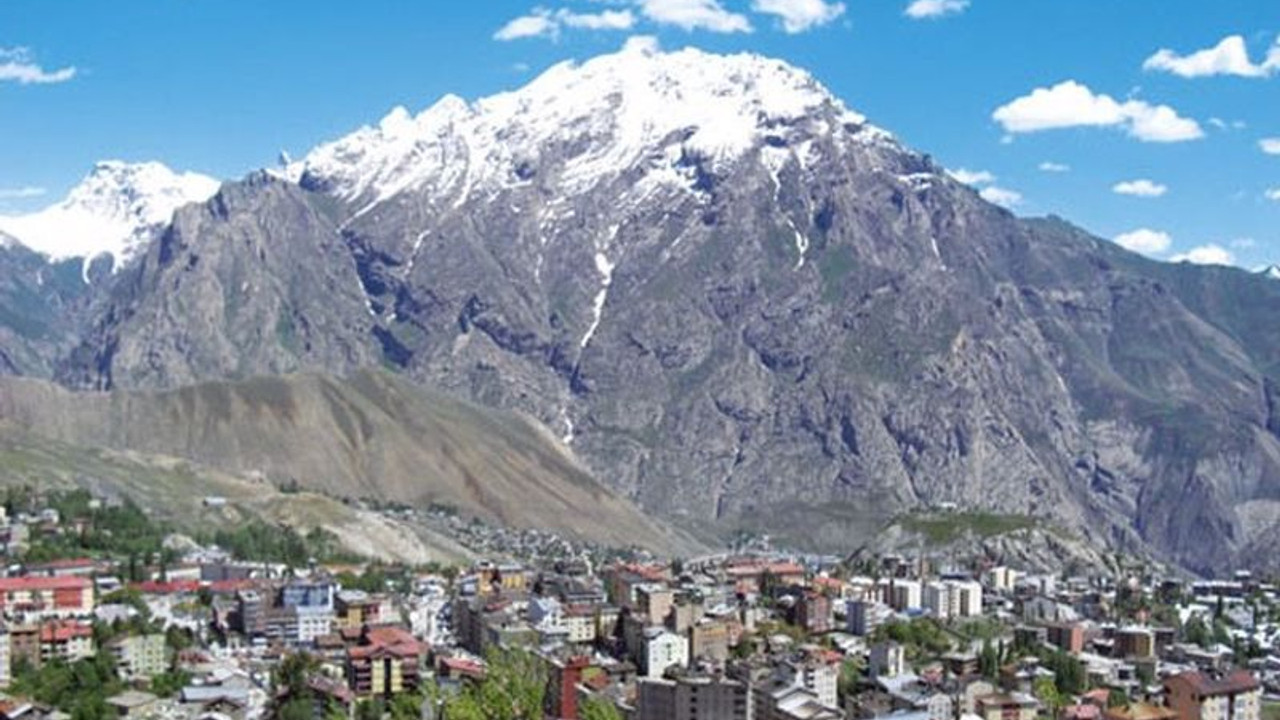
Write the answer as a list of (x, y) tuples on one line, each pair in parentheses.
[(805, 335)]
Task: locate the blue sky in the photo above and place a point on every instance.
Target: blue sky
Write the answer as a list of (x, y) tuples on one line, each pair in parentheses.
[(222, 86)]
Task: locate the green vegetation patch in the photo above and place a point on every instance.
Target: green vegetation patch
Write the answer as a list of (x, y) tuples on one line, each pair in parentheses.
[(945, 528)]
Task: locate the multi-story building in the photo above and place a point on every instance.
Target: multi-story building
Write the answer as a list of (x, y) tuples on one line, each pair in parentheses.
[(819, 674), (6, 668), (862, 617), (24, 645), (561, 699), (694, 697), (141, 657), (66, 640), (900, 594), (709, 640), (356, 608), (813, 613), (887, 659), (386, 661), (1134, 642), (250, 613), (654, 603), (41, 598), (662, 650), (1198, 696), (582, 623), (953, 599), (1001, 706), (1066, 636), (312, 606)]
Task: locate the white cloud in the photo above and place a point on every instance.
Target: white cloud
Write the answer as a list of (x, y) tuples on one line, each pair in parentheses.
[(607, 20), (1001, 196), (21, 193), (539, 24), (1270, 146), (972, 177), (1140, 188), (695, 15), (1053, 167), (797, 16), (1244, 243), (544, 23), (1145, 241), (17, 65), (923, 9), (1071, 104), (1229, 57), (1206, 255), (1273, 194)]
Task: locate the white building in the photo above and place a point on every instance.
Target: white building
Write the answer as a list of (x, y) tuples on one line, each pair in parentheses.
[(953, 599), (663, 649)]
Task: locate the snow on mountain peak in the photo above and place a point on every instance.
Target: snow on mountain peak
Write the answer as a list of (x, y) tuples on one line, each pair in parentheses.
[(113, 210), (628, 106)]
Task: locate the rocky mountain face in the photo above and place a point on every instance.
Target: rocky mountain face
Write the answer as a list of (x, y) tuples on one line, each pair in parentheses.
[(740, 305)]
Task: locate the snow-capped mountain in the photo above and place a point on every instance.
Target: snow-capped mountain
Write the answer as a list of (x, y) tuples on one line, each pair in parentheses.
[(738, 303), (640, 107), (1270, 271), (113, 211)]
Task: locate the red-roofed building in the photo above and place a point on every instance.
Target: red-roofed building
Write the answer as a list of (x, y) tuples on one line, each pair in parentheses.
[(385, 662), (66, 640), (46, 597), (1197, 696), (171, 587), (68, 567), (458, 668)]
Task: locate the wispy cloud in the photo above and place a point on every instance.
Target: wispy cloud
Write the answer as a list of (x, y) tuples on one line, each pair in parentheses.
[(797, 16), (1145, 241), (18, 65), (1229, 57), (1206, 255), (546, 23), (928, 9), (1053, 167), (1270, 146), (1273, 194), (21, 193), (1003, 197), (695, 15), (1072, 104), (972, 177), (1140, 188)]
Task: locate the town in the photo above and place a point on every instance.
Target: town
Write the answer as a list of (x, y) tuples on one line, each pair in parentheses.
[(109, 613)]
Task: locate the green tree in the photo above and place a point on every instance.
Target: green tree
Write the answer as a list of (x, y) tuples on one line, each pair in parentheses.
[(595, 708), (1117, 699), (988, 660), (1047, 691)]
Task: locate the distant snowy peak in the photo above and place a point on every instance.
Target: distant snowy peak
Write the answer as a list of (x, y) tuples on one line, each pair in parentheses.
[(601, 117), (114, 210), (1270, 271)]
